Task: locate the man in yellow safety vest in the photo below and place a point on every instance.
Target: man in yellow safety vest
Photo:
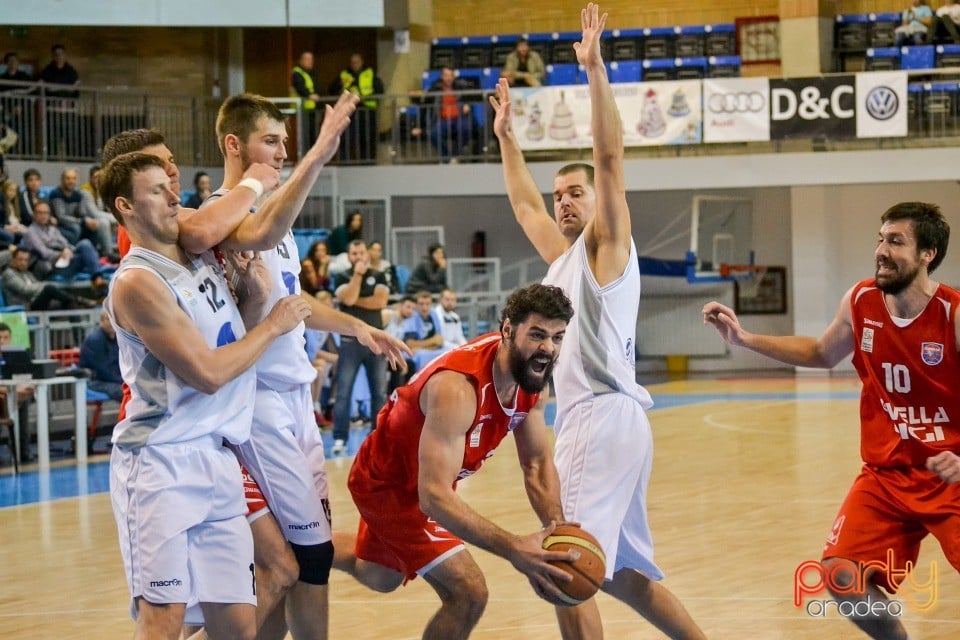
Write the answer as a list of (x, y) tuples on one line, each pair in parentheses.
[(359, 142), (304, 85)]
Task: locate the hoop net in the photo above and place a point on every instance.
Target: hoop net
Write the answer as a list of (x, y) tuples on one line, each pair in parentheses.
[(747, 276)]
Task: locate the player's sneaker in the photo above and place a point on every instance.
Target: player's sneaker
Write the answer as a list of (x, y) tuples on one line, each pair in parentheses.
[(339, 448)]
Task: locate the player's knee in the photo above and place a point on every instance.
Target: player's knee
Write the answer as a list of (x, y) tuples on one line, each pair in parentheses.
[(842, 574), (471, 598), (315, 561)]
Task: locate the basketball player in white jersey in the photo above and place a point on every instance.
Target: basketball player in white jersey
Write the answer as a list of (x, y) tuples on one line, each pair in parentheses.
[(285, 452), (175, 488), (604, 447)]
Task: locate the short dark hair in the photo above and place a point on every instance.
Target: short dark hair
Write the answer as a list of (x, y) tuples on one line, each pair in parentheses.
[(929, 226), (523, 39), (198, 175), (44, 202), (117, 180), (546, 300), (408, 298), (357, 242), (94, 169), (57, 46), (20, 250), (578, 166), (29, 173), (130, 141), (8, 55), (5, 327), (239, 114)]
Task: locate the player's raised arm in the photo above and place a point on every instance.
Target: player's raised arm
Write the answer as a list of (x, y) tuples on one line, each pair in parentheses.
[(525, 198), (611, 226)]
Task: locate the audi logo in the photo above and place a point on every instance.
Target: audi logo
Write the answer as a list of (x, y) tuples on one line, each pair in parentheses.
[(738, 102)]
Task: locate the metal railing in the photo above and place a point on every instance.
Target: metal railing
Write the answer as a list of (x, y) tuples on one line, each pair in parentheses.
[(71, 124)]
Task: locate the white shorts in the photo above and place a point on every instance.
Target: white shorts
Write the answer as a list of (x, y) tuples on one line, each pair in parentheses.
[(604, 453), (180, 511), (285, 456)]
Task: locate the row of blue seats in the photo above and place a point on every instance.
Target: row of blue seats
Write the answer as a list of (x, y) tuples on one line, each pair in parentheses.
[(916, 57), (856, 32), (623, 71), (477, 52)]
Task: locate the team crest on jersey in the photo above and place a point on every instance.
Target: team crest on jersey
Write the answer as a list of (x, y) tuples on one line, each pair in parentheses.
[(931, 352), (516, 419)]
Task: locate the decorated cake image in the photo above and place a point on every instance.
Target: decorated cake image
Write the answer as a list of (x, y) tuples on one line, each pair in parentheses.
[(679, 106), (561, 126), (535, 129), (651, 118)]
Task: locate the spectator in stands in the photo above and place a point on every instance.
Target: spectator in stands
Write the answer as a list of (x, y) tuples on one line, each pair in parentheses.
[(343, 235), (106, 223), (77, 217), (431, 274), (13, 71), (32, 182), (523, 66), (315, 269), (395, 319), (201, 190), (24, 395), (14, 224), (945, 24), (450, 122), (101, 355), (45, 241), (59, 71), (11, 107), (304, 85), (422, 331), (362, 293), (916, 20), (360, 140), (21, 287), (375, 250), (452, 326)]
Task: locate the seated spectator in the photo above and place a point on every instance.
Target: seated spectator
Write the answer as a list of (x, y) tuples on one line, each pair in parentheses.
[(21, 287), (13, 71), (450, 122), (395, 319), (100, 354), (452, 327), (422, 332), (93, 204), (431, 274), (32, 182), (916, 20), (13, 224), (24, 395), (524, 67), (201, 190), (77, 217), (341, 237), (375, 251), (59, 71), (322, 350), (315, 269), (45, 241), (945, 24)]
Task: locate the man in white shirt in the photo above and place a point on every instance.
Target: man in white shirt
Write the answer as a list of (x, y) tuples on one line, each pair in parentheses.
[(451, 327)]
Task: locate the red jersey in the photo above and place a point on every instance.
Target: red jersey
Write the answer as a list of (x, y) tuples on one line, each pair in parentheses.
[(910, 378), (389, 457)]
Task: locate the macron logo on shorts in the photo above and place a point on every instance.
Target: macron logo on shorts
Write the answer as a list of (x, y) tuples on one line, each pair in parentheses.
[(304, 527), (173, 582)]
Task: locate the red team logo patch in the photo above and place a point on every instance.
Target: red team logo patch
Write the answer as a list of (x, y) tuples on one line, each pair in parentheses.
[(931, 352)]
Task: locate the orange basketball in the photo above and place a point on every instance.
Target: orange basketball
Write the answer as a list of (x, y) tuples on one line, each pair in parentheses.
[(588, 569)]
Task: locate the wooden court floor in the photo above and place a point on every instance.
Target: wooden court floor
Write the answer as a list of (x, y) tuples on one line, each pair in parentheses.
[(747, 478)]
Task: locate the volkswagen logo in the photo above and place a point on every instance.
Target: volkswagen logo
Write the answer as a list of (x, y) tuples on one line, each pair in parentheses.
[(737, 102), (882, 103)]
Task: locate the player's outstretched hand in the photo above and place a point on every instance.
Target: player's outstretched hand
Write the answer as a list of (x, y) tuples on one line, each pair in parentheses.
[(588, 49), (268, 176), (725, 321), (336, 119), (501, 107), (945, 464), (253, 278), (382, 343), (532, 560), (288, 313)]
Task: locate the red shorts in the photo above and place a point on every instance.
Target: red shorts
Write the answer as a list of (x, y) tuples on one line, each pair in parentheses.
[(256, 503), (886, 514), (395, 533)]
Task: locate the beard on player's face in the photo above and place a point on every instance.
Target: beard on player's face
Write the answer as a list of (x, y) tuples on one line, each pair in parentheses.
[(531, 373)]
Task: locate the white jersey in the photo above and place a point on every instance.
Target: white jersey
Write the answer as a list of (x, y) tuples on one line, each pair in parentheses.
[(597, 356), (162, 407), (284, 365)]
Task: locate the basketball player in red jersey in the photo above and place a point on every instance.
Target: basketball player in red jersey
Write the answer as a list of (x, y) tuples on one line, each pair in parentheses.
[(439, 429), (903, 331)]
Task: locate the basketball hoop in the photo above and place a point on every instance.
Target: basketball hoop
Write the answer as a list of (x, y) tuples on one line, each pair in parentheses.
[(747, 276)]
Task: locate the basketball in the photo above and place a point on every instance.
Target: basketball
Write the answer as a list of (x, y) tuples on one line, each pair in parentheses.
[(588, 569)]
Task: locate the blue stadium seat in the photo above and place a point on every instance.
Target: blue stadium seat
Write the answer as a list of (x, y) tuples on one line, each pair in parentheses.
[(185, 196), (658, 42), (475, 52), (720, 39), (403, 275), (473, 77), (851, 32), (445, 52), (948, 55), (306, 237), (500, 48), (690, 68), (658, 69), (561, 46), (542, 43), (627, 44), (624, 70), (723, 67), (689, 41), (882, 27), (883, 59), (489, 78), (427, 78), (921, 57), (560, 74)]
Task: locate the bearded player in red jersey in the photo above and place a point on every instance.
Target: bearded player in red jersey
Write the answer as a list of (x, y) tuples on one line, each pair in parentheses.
[(903, 331), (438, 429)]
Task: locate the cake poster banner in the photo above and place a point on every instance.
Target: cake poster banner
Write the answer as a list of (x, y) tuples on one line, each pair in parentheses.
[(652, 113)]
